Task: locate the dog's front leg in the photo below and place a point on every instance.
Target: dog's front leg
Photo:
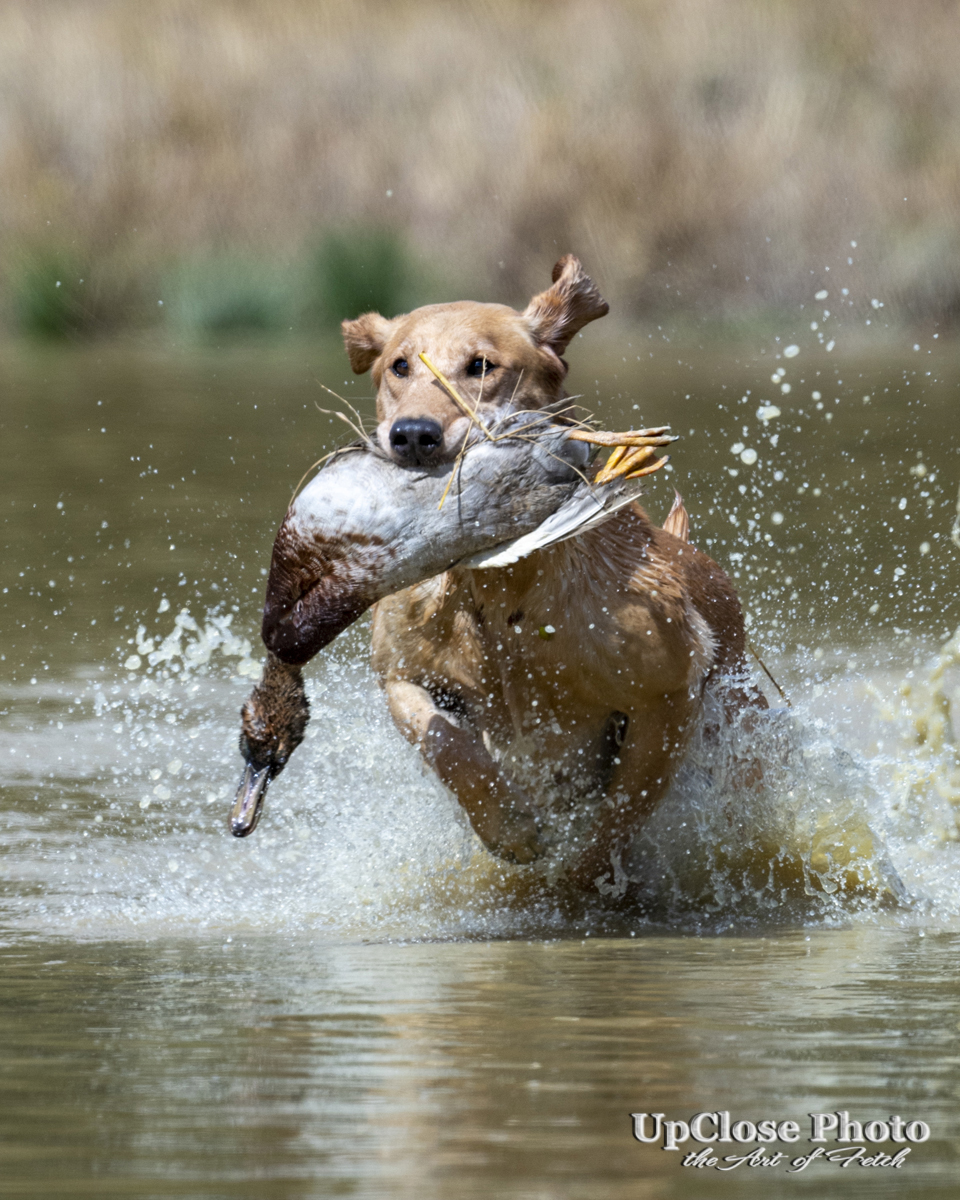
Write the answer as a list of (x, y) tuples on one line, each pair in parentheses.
[(498, 810)]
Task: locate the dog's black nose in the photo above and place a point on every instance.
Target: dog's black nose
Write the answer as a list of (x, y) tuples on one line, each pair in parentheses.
[(415, 440)]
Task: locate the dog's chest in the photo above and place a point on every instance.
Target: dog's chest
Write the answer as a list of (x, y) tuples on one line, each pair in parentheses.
[(550, 686), (567, 642)]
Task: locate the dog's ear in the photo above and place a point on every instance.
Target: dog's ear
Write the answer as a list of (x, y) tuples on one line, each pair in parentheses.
[(559, 313), (365, 338)]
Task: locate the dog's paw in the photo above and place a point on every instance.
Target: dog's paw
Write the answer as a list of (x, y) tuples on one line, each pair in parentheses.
[(519, 839)]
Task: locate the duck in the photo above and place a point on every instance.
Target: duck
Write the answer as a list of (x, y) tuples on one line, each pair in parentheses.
[(366, 527)]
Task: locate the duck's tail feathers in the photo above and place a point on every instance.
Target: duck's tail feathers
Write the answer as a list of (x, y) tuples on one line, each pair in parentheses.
[(678, 520)]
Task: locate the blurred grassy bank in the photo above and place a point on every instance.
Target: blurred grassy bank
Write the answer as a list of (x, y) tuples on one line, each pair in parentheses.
[(273, 165)]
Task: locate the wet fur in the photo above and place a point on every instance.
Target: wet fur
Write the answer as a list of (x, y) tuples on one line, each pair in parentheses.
[(642, 620)]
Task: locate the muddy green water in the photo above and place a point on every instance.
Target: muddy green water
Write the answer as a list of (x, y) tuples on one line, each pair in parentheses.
[(356, 1001)]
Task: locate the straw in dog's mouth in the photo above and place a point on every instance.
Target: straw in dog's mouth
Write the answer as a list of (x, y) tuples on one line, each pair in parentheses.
[(631, 452)]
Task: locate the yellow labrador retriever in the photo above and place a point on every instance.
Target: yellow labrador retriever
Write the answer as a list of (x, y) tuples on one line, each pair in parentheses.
[(580, 670)]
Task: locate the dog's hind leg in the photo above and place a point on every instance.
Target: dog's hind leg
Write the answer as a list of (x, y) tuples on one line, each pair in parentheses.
[(498, 811)]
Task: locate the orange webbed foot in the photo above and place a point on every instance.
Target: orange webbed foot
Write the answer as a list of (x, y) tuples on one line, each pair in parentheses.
[(633, 453)]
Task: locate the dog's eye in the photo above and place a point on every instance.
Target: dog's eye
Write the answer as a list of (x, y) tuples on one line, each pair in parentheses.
[(401, 367), (480, 366)]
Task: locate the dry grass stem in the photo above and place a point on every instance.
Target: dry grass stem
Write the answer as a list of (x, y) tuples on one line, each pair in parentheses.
[(766, 670)]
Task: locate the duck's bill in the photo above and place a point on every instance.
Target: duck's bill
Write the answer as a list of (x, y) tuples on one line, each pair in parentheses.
[(249, 802)]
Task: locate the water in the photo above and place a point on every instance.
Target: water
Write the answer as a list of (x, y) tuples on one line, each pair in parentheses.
[(297, 1067), (353, 1000)]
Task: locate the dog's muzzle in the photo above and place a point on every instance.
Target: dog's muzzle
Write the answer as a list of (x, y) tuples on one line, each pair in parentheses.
[(415, 441)]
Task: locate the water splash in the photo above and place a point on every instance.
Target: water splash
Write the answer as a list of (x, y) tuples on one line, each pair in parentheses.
[(856, 813), (955, 528)]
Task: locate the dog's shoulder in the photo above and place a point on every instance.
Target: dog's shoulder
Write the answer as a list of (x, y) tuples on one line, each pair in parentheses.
[(430, 630), (711, 593)]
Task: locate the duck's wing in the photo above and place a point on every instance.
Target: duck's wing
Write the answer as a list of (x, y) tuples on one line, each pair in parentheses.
[(587, 508)]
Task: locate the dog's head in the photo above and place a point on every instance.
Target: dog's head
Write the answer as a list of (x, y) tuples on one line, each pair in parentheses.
[(493, 355)]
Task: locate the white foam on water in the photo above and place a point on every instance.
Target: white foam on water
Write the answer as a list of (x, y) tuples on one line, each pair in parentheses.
[(855, 817)]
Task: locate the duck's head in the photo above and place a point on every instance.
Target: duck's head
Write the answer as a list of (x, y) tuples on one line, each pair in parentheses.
[(274, 720)]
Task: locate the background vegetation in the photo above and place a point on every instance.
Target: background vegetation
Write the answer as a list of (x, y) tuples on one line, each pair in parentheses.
[(268, 164)]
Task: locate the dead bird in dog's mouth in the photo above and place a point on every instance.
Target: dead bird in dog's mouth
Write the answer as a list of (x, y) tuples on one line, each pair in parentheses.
[(533, 628), (365, 528)]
